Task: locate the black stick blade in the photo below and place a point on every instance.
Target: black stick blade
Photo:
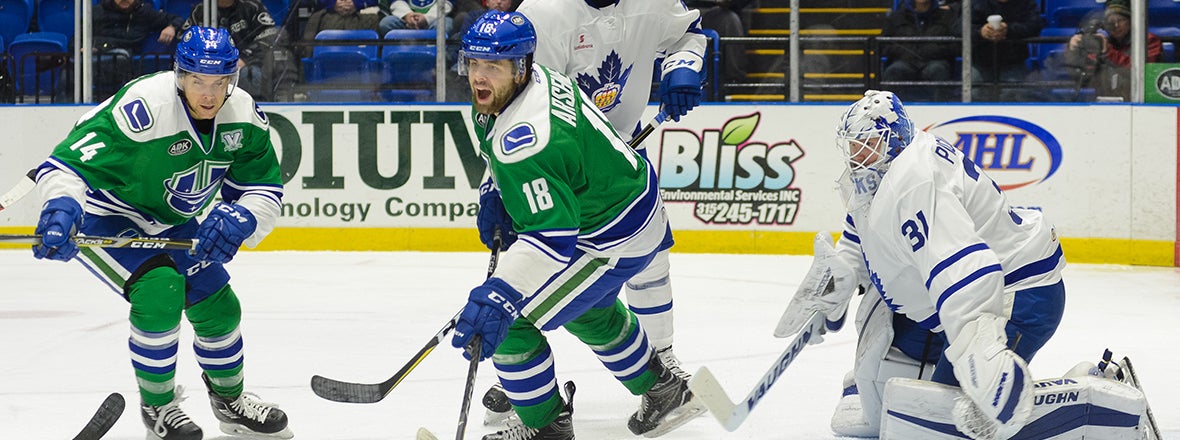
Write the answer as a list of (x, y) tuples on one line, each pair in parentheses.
[(102, 421), (347, 392)]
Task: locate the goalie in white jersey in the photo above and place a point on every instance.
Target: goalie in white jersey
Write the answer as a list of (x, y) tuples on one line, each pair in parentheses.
[(935, 236)]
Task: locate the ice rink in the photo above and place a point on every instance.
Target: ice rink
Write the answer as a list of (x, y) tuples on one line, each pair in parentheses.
[(359, 316)]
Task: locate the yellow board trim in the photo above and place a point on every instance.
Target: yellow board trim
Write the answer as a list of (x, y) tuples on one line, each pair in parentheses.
[(787, 32), (1077, 250)]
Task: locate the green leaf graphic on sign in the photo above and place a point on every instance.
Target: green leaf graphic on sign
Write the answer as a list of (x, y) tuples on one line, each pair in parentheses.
[(738, 130)]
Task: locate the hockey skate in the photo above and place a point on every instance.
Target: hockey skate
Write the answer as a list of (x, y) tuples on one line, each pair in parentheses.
[(246, 415), (562, 428), (496, 405), (169, 422), (1123, 371), (668, 405), (668, 358), (498, 409)]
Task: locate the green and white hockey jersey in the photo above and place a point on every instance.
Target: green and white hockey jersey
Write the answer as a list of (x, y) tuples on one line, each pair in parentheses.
[(567, 180), (138, 155)]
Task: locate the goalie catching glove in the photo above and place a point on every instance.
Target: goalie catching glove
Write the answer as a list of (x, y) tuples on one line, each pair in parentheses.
[(827, 288)]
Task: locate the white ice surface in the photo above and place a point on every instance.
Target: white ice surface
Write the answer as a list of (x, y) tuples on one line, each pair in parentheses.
[(360, 316)]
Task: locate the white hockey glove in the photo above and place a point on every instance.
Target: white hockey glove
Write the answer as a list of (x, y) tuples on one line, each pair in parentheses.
[(827, 288), (996, 383)]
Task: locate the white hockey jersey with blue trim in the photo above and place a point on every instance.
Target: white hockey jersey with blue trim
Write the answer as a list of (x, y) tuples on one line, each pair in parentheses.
[(941, 243), (610, 52)]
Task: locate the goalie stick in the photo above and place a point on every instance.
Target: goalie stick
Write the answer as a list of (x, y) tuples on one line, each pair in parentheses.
[(351, 392), (1127, 373), (19, 191), (730, 414), (109, 242), (108, 413)]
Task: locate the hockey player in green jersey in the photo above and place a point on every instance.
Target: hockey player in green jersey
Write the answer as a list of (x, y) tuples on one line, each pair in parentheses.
[(588, 216), (146, 163)]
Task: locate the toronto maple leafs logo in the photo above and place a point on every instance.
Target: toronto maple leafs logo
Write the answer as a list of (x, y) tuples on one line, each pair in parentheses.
[(606, 88)]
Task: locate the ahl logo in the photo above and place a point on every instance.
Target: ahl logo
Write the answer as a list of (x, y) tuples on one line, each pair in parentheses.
[(1168, 83), (180, 147), (1013, 152), (605, 88), (729, 178)]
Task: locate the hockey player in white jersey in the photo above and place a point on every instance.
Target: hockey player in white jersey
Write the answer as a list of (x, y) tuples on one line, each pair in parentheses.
[(936, 238), (610, 47)]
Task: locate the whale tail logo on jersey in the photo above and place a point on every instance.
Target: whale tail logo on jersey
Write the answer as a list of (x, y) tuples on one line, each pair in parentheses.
[(189, 190), (606, 88)]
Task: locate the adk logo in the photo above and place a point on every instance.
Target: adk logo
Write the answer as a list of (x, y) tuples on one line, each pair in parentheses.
[(1168, 83), (1013, 152), (188, 190), (728, 176)]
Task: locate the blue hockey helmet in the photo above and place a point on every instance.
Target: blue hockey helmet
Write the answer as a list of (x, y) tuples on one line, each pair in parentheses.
[(874, 130), (499, 36), (208, 51)]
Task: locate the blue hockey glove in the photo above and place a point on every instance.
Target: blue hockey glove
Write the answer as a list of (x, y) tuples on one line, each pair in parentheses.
[(680, 91), (491, 309), (60, 218), (491, 216), (222, 233)]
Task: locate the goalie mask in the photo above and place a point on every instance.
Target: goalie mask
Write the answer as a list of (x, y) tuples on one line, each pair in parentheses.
[(872, 132)]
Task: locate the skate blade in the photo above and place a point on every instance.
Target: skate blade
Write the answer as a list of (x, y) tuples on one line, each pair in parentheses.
[(492, 418), (678, 417), (235, 429)]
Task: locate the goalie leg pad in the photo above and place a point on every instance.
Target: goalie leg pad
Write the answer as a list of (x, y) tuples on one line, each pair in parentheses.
[(1067, 408)]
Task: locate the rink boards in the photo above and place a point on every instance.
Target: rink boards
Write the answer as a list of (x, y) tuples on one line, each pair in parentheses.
[(735, 178)]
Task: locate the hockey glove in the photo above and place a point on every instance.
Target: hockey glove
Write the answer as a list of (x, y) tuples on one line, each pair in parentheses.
[(492, 216), (60, 218), (680, 91), (827, 288), (996, 382), (222, 233), (491, 309)]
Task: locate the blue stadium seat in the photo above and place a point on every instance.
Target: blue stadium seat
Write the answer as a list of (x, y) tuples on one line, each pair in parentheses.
[(23, 48), (346, 64), (409, 65), (183, 8), (278, 10), (154, 56), (56, 16), (15, 16)]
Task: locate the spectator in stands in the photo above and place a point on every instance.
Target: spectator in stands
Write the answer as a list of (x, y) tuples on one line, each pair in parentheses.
[(1105, 50), (339, 15), (267, 67), (468, 13), (723, 17), (998, 54), (416, 14), (120, 29), (924, 60)]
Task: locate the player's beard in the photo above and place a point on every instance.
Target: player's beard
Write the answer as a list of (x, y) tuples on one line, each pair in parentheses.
[(491, 99)]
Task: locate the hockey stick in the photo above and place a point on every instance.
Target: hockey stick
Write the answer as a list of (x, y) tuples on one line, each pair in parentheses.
[(350, 392), (109, 242), (108, 413), (19, 191), (730, 414), (474, 349), (648, 129)]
